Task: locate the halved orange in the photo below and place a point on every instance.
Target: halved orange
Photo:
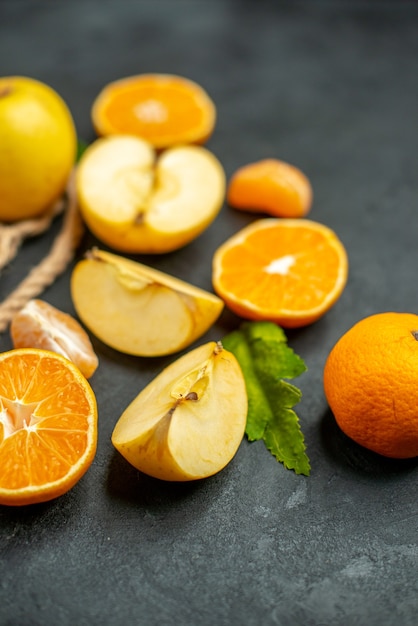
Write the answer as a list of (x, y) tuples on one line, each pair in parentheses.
[(40, 325), (270, 186), (48, 426), (163, 109), (288, 271)]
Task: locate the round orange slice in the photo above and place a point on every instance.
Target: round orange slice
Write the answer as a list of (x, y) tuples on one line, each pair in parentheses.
[(289, 271), (41, 325), (163, 109), (48, 426)]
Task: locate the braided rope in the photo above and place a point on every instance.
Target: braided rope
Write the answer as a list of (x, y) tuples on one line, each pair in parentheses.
[(13, 235), (60, 254)]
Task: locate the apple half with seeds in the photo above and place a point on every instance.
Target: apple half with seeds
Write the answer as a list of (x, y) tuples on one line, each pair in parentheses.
[(137, 201)]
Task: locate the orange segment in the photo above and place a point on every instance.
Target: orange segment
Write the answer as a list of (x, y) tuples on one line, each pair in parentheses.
[(48, 426), (163, 109), (41, 325), (289, 271), (270, 186)]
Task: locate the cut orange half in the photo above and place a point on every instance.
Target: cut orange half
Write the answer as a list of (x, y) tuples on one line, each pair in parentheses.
[(289, 271), (163, 109), (48, 426)]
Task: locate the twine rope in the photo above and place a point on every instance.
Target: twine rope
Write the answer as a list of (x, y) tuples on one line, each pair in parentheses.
[(56, 261), (13, 235)]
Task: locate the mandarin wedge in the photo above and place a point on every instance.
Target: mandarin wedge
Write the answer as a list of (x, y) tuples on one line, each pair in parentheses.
[(190, 420), (163, 109), (48, 426), (41, 325), (288, 271), (137, 309), (270, 186), (136, 202)]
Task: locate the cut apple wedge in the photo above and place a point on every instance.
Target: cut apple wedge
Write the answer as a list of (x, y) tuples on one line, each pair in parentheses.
[(135, 201), (190, 420), (137, 309)]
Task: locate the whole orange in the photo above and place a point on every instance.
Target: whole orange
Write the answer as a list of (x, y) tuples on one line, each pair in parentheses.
[(370, 382)]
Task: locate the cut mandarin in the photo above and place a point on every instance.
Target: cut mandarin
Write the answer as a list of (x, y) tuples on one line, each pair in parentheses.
[(41, 325), (288, 271), (48, 426), (163, 109), (270, 186)]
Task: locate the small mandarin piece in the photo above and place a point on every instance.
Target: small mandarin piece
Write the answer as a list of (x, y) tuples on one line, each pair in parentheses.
[(38, 143), (270, 186), (163, 109), (138, 202), (370, 383), (139, 310), (288, 271), (189, 421), (41, 325), (48, 426)]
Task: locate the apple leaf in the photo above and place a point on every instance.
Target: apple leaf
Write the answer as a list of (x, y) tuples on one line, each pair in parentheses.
[(265, 358)]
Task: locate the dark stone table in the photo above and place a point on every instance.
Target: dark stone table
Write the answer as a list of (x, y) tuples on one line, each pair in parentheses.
[(328, 86)]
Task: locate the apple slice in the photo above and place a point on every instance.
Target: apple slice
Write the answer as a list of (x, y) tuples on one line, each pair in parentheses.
[(190, 420), (137, 309), (135, 202)]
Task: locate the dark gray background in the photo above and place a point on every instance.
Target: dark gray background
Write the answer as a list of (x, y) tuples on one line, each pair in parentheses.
[(331, 87)]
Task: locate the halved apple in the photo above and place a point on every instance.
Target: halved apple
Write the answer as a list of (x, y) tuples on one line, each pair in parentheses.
[(189, 421), (137, 309), (138, 202)]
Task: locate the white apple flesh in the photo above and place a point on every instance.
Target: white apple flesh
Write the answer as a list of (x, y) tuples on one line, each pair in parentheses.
[(137, 309), (138, 202), (189, 421)]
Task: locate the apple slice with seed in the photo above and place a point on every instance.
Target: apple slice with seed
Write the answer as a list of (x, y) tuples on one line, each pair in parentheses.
[(190, 420), (137, 309)]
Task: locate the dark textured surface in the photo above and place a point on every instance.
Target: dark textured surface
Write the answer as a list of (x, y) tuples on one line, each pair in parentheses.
[(331, 87)]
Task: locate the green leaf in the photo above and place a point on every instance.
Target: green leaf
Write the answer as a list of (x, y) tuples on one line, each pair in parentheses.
[(81, 147), (265, 358)]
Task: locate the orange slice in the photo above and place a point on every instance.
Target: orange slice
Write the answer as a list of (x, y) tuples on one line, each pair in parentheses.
[(163, 109), (270, 186), (289, 271), (48, 426), (41, 325)]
